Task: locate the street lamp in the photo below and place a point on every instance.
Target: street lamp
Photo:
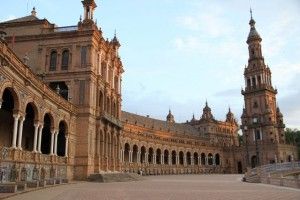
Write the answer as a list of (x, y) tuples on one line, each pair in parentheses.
[(247, 148), (255, 121)]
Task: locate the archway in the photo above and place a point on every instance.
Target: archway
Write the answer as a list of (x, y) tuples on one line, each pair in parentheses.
[(181, 158), (240, 168), (150, 156), (158, 156), (6, 118), (28, 127), (210, 159), (61, 88), (135, 153), (173, 157), (46, 135), (166, 157), (217, 159), (253, 161), (188, 158), (61, 139), (126, 152), (289, 159), (143, 154), (196, 158), (203, 159)]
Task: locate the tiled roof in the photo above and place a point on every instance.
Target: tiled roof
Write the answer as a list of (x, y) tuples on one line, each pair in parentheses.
[(23, 19), (160, 125)]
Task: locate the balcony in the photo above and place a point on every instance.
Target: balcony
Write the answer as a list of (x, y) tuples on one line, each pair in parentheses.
[(111, 119)]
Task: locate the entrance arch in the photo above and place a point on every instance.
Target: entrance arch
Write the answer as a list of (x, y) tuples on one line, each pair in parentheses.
[(196, 158), (173, 157), (46, 135), (166, 157), (126, 152), (28, 127), (188, 158), (158, 156), (181, 158), (150, 156), (61, 139), (217, 159), (6, 117), (143, 154), (210, 159), (135, 153), (253, 161), (203, 159)]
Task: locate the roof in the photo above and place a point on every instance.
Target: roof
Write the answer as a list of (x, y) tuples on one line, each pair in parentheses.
[(160, 125), (23, 19)]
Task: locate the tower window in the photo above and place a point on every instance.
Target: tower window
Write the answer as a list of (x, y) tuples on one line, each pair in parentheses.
[(255, 105), (53, 58), (65, 60)]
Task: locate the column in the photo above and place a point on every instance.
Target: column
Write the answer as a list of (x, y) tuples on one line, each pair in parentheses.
[(55, 142), (154, 159), (206, 160), (138, 159), (214, 160), (14, 140), (251, 81), (40, 138), (130, 156), (199, 160), (52, 142), (162, 159), (1, 103), (184, 159), (146, 158), (36, 129), (192, 160), (67, 146), (21, 122), (170, 159), (177, 159), (256, 82)]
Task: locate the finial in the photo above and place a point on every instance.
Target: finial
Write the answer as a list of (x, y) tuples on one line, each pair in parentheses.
[(115, 32), (251, 13), (80, 18), (229, 109), (33, 12), (206, 104)]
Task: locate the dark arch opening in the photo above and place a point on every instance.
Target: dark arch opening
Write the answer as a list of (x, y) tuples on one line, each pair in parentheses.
[(65, 60), (60, 88), (253, 161), (173, 157), (53, 60), (61, 139), (6, 118), (158, 156), (126, 152), (203, 159), (188, 158), (196, 158), (181, 158), (46, 135), (150, 156), (210, 159), (166, 157), (143, 154), (28, 128), (217, 159), (134, 153)]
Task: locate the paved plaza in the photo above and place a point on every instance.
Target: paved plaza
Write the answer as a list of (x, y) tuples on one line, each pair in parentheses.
[(187, 187)]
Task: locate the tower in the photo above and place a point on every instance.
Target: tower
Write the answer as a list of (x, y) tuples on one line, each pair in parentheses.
[(89, 7), (170, 117), (262, 121)]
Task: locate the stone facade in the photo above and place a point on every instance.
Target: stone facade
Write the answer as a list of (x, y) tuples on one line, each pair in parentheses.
[(60, 116)]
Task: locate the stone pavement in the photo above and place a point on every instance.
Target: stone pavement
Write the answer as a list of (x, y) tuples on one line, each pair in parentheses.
[(187, 187)]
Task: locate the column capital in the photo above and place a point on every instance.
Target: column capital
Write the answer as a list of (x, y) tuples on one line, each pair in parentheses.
[(16, 116)]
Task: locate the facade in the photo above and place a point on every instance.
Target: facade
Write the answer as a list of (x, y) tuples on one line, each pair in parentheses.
[(60, 116)]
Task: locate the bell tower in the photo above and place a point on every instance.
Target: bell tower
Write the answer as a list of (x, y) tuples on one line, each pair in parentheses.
[(262, 121), (89, 7)]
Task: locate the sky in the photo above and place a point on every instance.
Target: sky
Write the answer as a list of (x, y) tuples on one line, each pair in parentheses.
[(179, 53)]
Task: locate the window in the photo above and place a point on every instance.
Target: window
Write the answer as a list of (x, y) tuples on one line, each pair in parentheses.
[(257, 135), (255, 105), (53, 57), (83, 56), (65, 60)]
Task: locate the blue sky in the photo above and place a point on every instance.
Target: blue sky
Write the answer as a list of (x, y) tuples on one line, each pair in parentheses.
[(177, 54)]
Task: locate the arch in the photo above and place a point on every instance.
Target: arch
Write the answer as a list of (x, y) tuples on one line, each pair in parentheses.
[(46, 133), (210, 159), (135, 150), (7, 88), (34, 107), (143, 154), (6, 117), (217, 159), (203, 159), (60, 88), (126, 152), (150, 155), (196, 162), (107, 105), (253, 161), (65, 59), (53, 60), (289, 158), (28, 126), (181, 158), (61, 138), (158, 156), (173, 157), (188, 158), (166, 157)]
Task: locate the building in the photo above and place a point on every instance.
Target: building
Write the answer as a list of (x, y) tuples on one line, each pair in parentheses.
[(60, 116)]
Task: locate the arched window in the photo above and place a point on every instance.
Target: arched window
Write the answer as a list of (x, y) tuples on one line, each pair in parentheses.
[(65, 60), (53, 58), (83, 56)]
